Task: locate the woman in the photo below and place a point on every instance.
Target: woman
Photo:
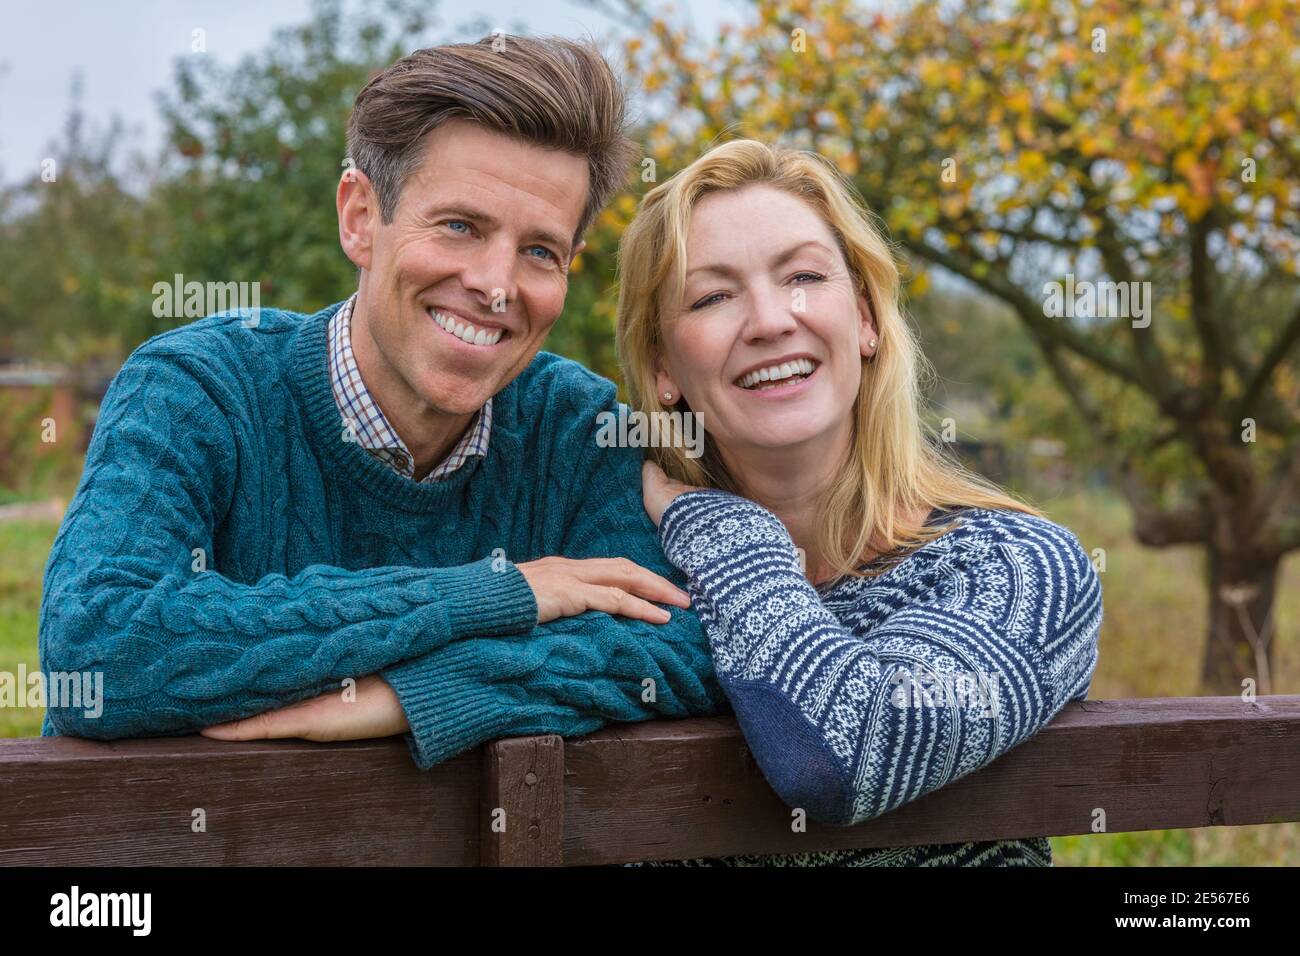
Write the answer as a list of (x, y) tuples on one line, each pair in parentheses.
[(882, 621)]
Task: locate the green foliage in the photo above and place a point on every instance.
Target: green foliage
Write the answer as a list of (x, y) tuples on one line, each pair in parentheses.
[(255, 153), (243, 192), (72, 251)]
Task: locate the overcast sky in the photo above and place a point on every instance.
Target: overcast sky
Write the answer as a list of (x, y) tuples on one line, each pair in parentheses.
[(124, 51)]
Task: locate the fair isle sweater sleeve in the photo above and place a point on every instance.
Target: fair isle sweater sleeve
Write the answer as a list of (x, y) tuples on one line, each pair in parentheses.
[(131, 593), (973, 653)]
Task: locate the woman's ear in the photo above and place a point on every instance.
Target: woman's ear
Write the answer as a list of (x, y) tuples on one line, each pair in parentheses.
[(868, 334), (358, 210), (664, 385)]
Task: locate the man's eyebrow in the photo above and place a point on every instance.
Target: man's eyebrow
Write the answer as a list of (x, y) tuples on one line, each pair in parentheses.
[(781, 258), (550, 238), (464, 212), (478, 215)]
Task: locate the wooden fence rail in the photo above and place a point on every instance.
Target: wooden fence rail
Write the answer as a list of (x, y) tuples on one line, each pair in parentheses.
[(656, 790)]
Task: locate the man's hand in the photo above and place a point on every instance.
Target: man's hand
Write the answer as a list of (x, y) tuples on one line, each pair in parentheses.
[(658, 490), (565, 587), (375, 712)]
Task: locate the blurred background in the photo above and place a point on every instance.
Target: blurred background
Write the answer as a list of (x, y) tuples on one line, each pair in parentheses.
[(1011, 149)]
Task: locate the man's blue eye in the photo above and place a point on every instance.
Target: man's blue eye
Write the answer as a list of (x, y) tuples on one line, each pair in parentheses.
[(457, 222), (546, 253)]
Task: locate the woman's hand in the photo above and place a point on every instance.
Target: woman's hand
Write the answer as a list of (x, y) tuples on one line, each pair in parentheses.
[(565, 587), (658, 490), (373, 711)]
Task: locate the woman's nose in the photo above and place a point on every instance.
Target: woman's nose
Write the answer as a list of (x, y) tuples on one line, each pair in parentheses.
[(773, 313)]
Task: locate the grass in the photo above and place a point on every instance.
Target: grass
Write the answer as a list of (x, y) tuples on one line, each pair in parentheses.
[(24, 546), (1153, 637), (1155, 607), (1152, 641)]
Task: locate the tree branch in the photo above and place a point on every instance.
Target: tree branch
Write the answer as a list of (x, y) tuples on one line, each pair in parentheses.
[(1259, 379)]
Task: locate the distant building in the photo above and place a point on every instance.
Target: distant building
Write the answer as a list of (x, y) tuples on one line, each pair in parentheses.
[(49, 392)]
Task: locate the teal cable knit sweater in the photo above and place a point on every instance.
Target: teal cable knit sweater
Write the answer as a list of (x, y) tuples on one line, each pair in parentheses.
[(229, 551)]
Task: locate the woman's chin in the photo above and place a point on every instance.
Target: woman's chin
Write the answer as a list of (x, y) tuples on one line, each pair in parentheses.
[(775, 436)]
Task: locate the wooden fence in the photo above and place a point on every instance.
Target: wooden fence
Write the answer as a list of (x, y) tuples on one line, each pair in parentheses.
[(656, 790)]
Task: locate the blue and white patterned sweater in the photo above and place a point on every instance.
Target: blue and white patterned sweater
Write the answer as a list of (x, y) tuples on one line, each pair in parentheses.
[(861, 696)]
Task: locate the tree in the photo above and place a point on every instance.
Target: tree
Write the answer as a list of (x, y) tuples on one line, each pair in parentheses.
[(71, 244), (1039, 147), (255, 152)]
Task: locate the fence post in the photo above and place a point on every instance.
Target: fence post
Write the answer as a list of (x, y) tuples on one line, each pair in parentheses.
[(521, 809)]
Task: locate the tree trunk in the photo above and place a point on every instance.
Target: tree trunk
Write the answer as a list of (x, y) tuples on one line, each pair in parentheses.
[(1242, 595)]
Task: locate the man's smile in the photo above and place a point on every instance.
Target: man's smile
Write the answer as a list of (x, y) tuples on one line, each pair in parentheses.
[(479, 334)]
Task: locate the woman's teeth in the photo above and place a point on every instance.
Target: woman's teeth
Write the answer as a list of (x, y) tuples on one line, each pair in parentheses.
[(466, 332), (776, 374)]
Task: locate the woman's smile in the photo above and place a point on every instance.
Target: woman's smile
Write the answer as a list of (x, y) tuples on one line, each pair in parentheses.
[(784, 378)]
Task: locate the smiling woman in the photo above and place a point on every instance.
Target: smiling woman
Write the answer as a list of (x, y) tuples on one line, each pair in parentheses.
[(882, 621)]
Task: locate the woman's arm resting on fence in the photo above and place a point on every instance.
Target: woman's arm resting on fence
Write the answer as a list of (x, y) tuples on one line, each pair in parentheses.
[(851, 725), (181, 648)]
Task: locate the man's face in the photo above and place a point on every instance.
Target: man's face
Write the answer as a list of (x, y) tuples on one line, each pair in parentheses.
[(463, 285)]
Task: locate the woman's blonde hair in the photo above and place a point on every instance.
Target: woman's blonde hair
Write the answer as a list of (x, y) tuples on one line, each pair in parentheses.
[(894, 467)]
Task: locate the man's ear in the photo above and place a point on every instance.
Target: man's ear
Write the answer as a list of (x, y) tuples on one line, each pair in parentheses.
[(577, 250), (358, 210)]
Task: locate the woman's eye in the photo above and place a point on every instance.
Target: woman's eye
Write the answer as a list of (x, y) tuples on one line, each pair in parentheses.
[(813, 276), (708, 300)]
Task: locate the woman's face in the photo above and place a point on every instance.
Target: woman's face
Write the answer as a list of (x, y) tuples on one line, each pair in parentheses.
[(768, 339)]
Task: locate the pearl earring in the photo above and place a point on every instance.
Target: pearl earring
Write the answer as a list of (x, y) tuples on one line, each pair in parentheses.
[(872, 344)]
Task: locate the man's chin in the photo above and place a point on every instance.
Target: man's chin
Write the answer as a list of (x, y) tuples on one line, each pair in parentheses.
[(460, 404)]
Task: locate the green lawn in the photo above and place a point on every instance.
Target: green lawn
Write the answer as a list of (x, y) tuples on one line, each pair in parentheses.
[(24, 547), (1152, 638)]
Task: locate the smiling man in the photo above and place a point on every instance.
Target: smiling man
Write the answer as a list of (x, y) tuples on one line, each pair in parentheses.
[(394, 514)]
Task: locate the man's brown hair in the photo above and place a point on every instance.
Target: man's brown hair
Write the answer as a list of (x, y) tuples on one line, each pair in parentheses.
[(549, 91)]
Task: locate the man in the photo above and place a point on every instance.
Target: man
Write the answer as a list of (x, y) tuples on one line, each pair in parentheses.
[(392, 515)]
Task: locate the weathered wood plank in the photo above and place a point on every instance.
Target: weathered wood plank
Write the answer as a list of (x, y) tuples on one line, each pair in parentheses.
[(689, 788), (657, 790), (264, 803), (521, 812)]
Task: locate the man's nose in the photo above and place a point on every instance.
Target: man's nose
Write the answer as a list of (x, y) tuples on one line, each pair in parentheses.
[(489, 273)]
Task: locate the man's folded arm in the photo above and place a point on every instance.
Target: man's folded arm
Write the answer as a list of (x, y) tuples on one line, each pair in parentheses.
[(572, 675), (180, 647)]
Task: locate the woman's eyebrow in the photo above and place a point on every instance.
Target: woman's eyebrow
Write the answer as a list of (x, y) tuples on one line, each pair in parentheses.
[(780, 259), (797, 248), (721, 269)]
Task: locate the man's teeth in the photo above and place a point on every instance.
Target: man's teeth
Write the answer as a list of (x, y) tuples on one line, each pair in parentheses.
[(466, 332), (776, 373)]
